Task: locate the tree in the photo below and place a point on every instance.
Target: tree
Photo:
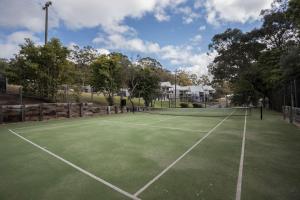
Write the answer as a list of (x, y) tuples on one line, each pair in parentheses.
[(290, 65), (4, 65), (204, 80), (107, 75), (294, 11), (40, 69), (258, 63), (53, 61), (83, 57), (183, 78), (194, 79), (134, 79), (144, 83), (150, 63)]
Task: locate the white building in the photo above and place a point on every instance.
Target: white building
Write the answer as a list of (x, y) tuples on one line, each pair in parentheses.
[(195, 93)]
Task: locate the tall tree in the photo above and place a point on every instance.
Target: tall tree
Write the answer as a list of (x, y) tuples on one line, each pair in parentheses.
[(83, 57), (39, 68), (144, 83), (108, 75), (183, 78)]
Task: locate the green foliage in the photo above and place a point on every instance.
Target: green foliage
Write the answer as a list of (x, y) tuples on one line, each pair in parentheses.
[(294, 11), (290, 64), (257, 63), (108, 75), (184, 105), (4, 65), (197, 105), (143, 82), (83, 57), (41, 69), (183, 78)]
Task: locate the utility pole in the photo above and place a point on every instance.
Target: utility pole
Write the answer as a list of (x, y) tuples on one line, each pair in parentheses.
[(47, 4), (175, 87)]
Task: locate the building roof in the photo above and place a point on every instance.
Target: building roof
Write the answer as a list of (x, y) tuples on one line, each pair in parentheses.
[(165, 84), (191, 88)]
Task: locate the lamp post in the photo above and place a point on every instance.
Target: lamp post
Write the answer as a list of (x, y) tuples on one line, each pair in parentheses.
[(175, 87), (47, 4)]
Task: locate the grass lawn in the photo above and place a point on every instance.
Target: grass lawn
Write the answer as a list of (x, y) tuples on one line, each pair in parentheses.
[(100, 99), (149, 156)]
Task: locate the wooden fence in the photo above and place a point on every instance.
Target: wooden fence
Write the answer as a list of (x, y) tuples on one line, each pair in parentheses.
[(45, 111)]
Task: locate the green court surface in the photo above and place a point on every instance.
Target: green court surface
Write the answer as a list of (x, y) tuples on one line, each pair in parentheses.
[(151, 156)]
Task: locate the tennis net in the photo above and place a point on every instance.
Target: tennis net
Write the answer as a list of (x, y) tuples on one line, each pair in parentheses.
[(201, 112)]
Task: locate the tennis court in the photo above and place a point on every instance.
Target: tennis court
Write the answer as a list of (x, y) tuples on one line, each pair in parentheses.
[(185, 155)]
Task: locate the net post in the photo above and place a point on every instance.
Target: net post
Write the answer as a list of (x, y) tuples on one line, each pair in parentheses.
[(261, 112)]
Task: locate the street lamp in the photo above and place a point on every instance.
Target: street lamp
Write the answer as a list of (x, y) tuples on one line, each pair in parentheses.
[(175, 88), (47, 4)]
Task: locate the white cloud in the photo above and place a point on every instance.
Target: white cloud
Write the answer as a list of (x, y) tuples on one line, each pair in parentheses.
[(196, 39), (110, 13), (103, 51), (118, 41), (81, 13), (197, 4), (201, 61), (234, 10), (10, 46), (161, 16), (183, 56), (24, 14), (202, 28), (188, 15)]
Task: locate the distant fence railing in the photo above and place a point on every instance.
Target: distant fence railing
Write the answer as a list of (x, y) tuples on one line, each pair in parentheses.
[(45, 111), (291, 113)]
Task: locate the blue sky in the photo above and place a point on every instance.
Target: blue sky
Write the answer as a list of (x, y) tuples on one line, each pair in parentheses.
[(175, 32)]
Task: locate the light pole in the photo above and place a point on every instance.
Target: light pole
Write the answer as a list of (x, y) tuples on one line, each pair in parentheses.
[(47, 4), (175, 87)]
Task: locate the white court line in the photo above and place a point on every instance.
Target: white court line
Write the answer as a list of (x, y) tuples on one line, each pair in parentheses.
[(179, 158), (78, 168), (240, 176)]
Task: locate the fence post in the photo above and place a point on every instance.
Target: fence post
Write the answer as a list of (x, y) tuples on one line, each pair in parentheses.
[(108, 110), (69, 110), (116, 110), (81, 109), (1, 115), (41, 112), (55, 109), (23, 112)]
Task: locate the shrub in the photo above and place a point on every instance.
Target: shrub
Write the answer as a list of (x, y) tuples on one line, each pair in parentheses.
[(184, 105), (197, 105)]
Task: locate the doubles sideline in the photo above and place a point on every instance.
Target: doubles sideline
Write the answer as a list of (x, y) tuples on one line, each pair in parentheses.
[(180, 157), (78, 168), (240, 176)]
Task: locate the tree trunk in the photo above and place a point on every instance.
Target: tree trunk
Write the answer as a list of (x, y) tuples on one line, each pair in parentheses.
[(110, 99)]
